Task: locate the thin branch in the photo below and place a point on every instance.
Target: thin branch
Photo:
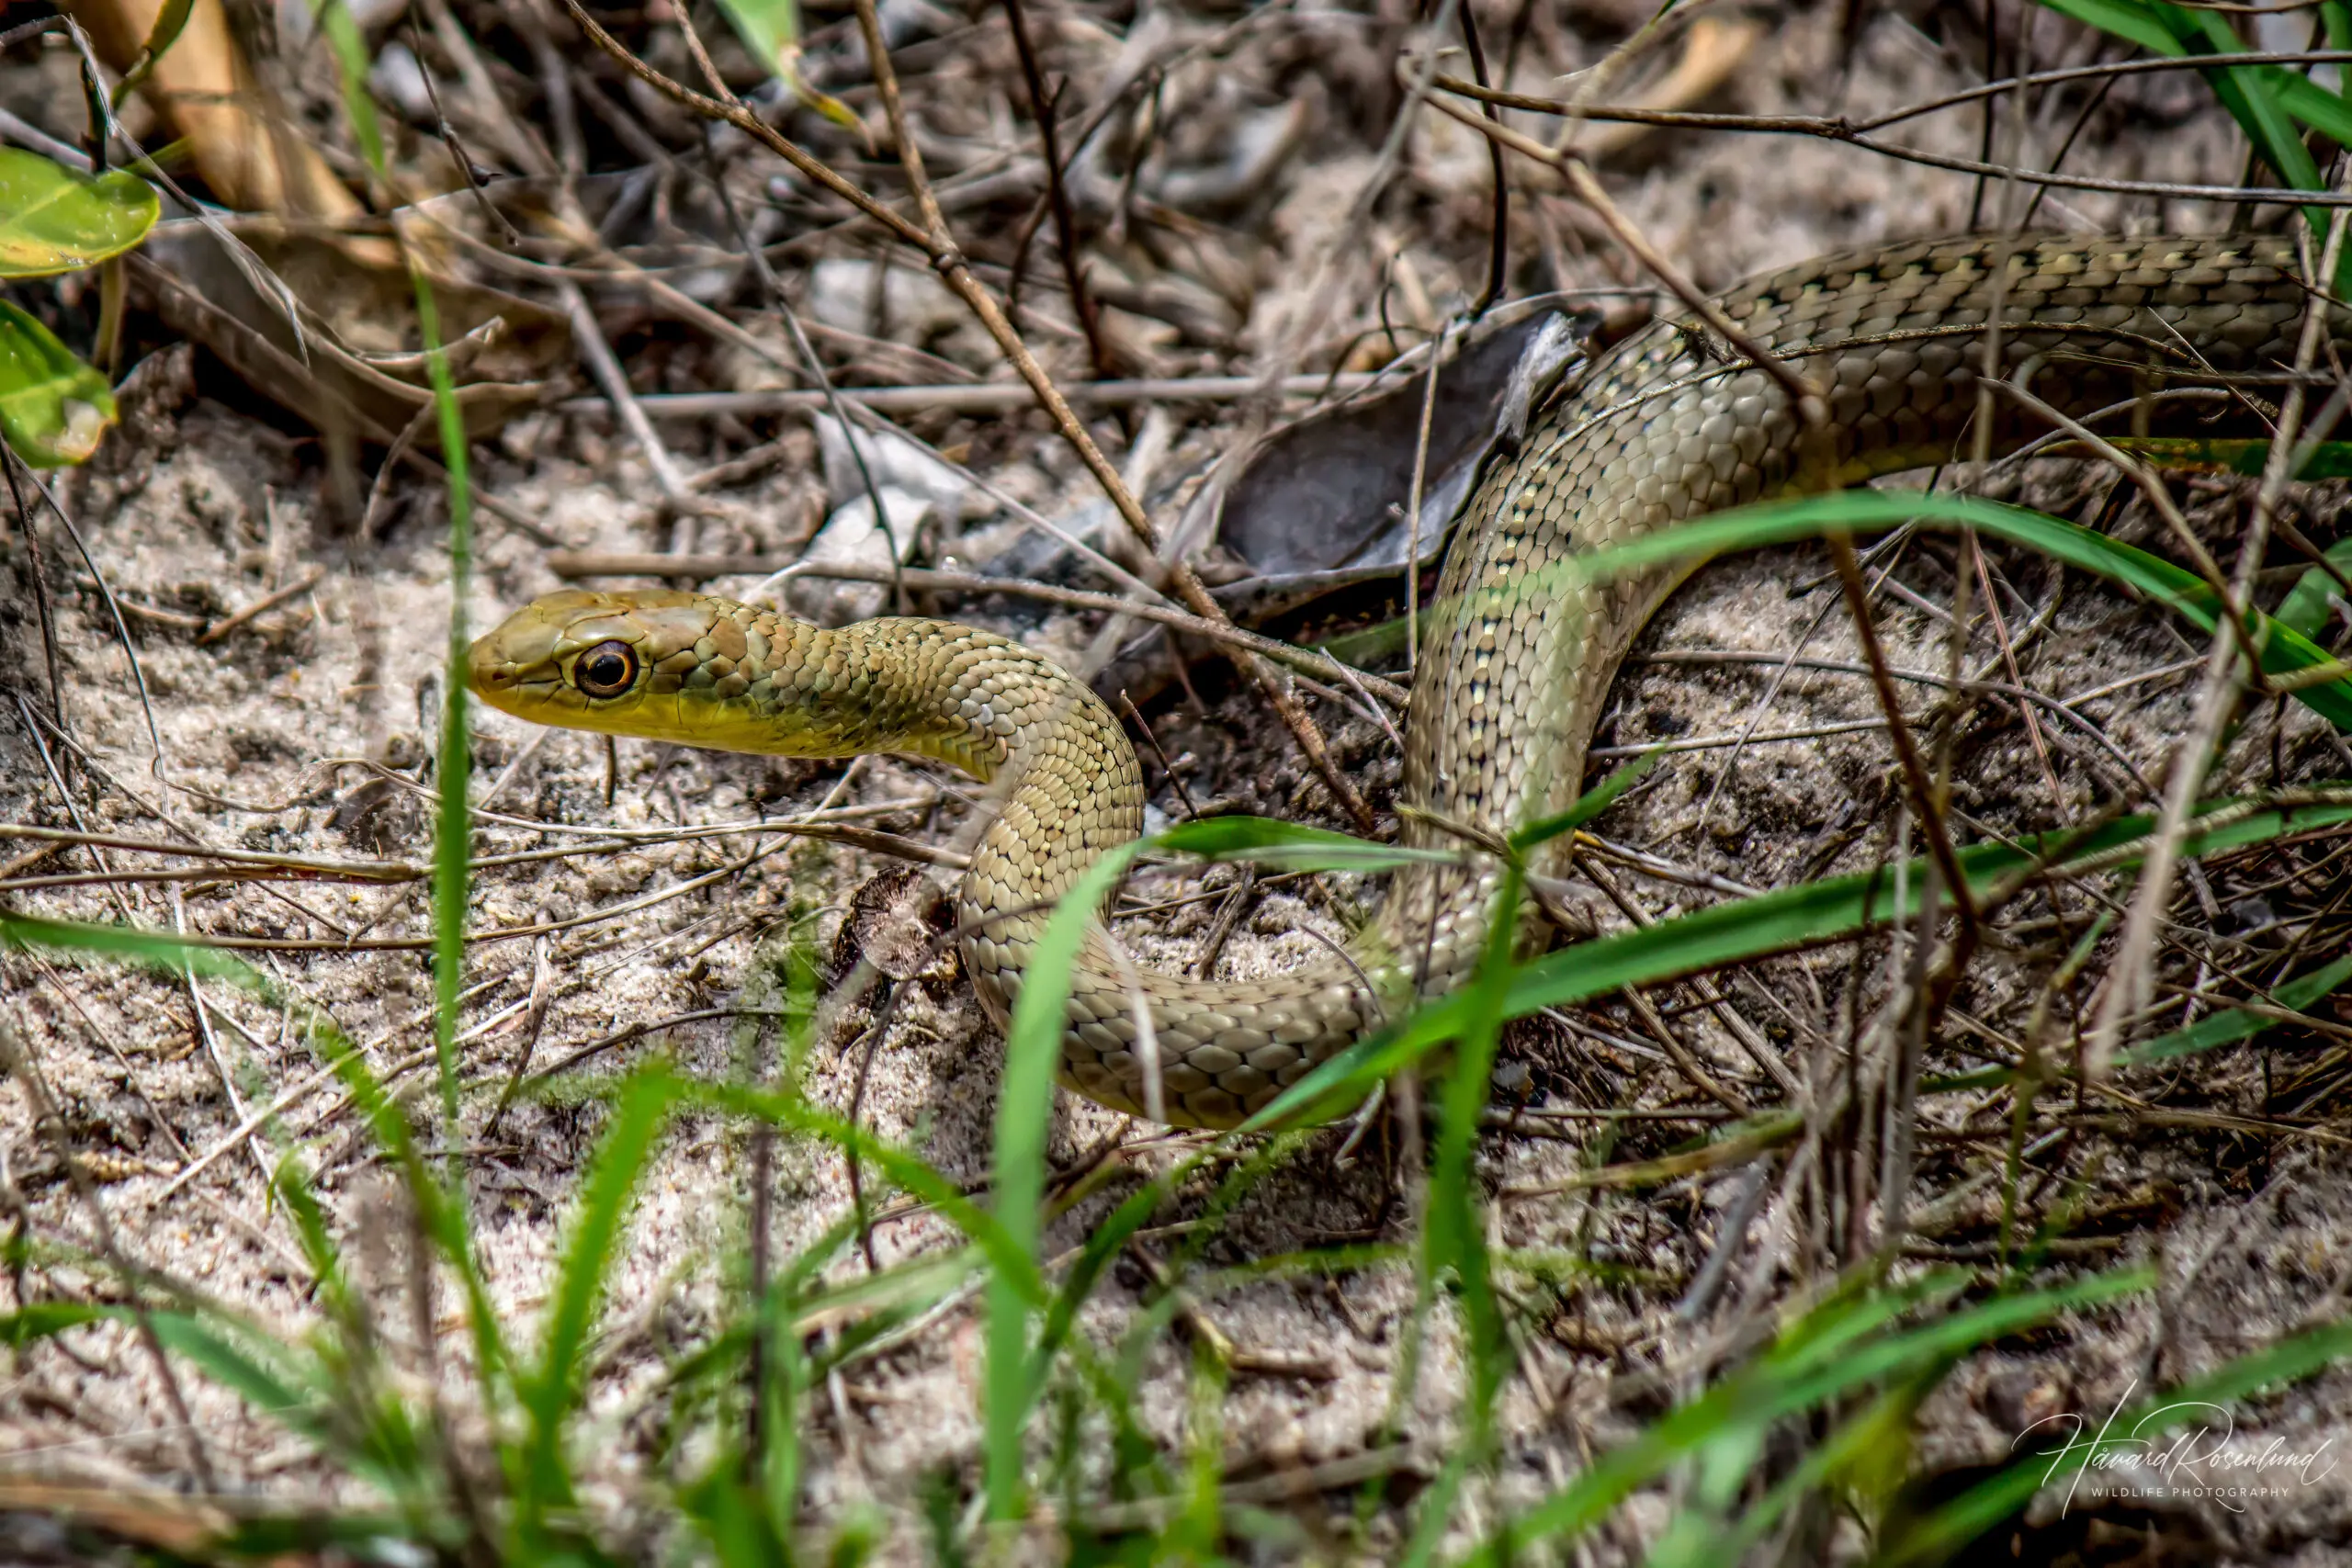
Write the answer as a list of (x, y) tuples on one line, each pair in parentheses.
[(1839, 131), (2133, 974), (990, 397), (935, 242), (1041, 107)]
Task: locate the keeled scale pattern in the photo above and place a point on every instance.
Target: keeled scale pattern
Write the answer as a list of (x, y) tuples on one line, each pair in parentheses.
[(1662, 428)]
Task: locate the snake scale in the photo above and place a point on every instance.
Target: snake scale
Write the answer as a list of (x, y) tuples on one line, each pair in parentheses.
[(1666, 426)]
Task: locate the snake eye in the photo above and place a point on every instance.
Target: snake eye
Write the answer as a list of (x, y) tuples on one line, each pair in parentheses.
[(606, 670)]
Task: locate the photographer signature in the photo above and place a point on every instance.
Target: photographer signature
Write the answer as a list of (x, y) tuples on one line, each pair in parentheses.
[(2203, 1460)]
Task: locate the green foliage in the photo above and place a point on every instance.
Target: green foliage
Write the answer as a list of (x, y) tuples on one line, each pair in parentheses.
[(1856, 1341), (1779, 921), (1940, 1534), (2265, 100), (1291, 845), (2283, 650), (1845, 1372), (54, 409), (553, 1394), (1866, 1355), (54, 220), (171, 20), (769, 28), (2317, 459), (1024, 1112), (2232, 1024)]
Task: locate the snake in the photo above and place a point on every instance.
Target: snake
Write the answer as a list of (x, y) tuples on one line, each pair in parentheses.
[(1669, 424)]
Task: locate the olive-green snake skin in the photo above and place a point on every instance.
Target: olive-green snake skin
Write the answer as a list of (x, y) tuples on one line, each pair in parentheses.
[(1665, 426)]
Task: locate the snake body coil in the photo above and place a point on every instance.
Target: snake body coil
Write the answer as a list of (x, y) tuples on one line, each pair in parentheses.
[(1667, 425)]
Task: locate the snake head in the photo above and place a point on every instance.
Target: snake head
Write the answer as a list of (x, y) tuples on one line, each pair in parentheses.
[(602, 662)]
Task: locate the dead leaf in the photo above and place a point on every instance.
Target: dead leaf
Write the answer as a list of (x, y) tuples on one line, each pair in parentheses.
[(1322, 501)]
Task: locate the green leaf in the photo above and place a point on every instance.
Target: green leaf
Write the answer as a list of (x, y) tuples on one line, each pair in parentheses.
[(2262, 99), (2247, 92), (159, 949), (54, 218), (54, 410), (769, 28), (443, 1220), (41, 1320), (726, 1510), (2310, 102), (2124, 19), (2305, 608), (1374, 642), (267, 1388), (1453, 1233)]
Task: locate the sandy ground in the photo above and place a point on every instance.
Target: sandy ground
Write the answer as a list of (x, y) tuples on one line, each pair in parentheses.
[(199, 507)]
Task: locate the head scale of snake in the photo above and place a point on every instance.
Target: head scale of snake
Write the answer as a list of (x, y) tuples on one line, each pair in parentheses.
[(665, 665)]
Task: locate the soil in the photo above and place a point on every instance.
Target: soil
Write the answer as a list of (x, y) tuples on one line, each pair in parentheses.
[(312, 729)]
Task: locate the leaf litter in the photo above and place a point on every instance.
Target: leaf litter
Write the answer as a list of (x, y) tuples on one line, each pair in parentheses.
[(1214, 159)]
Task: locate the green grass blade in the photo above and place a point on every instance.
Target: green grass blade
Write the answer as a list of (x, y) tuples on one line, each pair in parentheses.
[(1861, 1308), (1936, 1537), (452, 831), (2246, 458), (2133, 22), (1455, 1235), (1025, 1106), (157, 950), (1958, 1333), (2284, 651), (36, 1321), (1006, 1258), (272, 1390), (2306, 607), (1436, 1507), (728, 1515), (1102, 1246), (640, 1111), (1763, 1394), (1292, 845), (1589, 805), (2247, 94), (784, 1390), (2264, 99), (1780, 922), (1876, 1439), (276, 1392), (444, 1222), (2242, 1024)]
